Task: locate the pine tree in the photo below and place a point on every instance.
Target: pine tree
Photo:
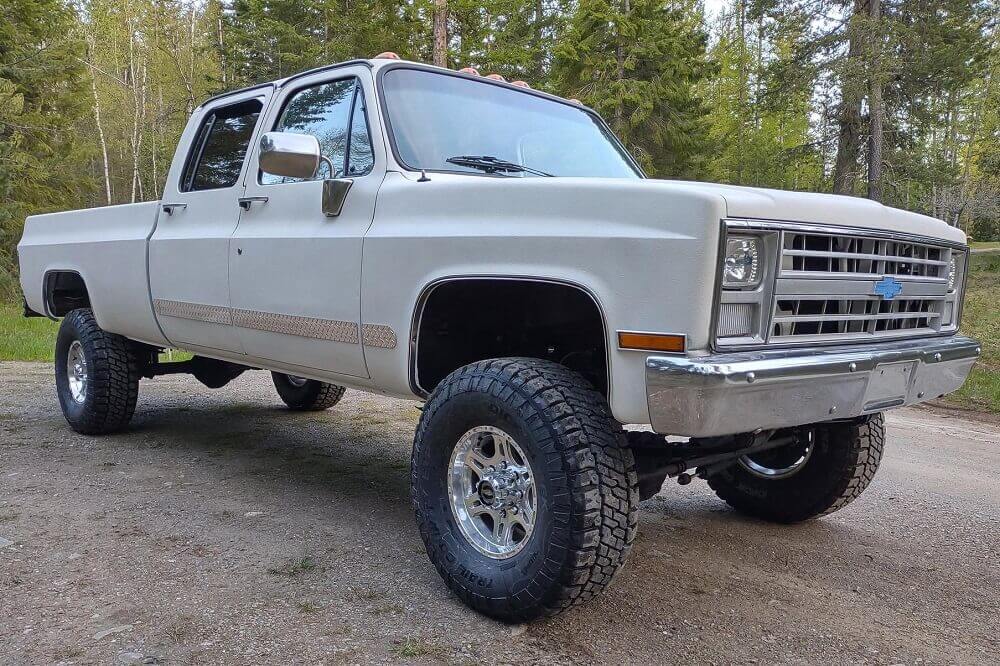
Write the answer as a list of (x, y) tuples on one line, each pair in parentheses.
[(760, 99), (639, 63), (41, 97)]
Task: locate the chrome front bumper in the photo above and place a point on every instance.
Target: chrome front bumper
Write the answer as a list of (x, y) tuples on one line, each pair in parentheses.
[(725, 394)]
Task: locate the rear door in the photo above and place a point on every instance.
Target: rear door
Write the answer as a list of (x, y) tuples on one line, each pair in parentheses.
[(189, 249), (296, 273)]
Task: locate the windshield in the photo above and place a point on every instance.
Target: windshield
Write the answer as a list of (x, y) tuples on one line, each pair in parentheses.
[(438, 119)]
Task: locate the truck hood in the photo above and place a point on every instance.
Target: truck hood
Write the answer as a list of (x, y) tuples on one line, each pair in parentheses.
[(764, 204)]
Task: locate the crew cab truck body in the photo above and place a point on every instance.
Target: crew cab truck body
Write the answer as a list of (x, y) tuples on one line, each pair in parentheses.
[(389, 226)]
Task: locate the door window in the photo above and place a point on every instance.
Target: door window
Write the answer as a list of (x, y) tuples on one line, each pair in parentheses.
[(220, 147), (335, 114)]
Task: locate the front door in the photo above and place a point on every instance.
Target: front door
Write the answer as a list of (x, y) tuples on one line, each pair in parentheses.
[(295, 273), (189, 249)]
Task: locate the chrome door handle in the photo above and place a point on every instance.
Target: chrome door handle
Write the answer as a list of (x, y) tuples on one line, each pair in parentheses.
[(169, 208), (246, 202)]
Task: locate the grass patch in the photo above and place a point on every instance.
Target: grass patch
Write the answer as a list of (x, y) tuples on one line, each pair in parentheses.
[(988, 262), (294, 568), (309, 607), (985, 245), (25, 339), (34, 338), (408, 648), (981, 320)]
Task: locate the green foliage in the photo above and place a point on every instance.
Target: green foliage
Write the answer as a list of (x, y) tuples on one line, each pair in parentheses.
[(761, 101), (638, 63), (24, 339), (40, 102), (981, 319)]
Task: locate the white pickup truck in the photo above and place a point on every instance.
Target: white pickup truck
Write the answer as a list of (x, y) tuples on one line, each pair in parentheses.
[(494, 251)]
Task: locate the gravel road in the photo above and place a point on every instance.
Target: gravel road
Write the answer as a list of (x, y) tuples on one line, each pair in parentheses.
[(224, 529)]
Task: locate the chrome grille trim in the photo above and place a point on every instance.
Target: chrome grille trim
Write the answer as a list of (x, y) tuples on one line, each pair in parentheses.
[(838, 272), (853, 255), (821, 288)]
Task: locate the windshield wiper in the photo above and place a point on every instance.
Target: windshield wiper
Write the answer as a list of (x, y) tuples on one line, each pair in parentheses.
[(491, 164)]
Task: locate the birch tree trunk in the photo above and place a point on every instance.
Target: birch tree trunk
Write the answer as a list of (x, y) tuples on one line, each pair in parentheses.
[(97, 119)]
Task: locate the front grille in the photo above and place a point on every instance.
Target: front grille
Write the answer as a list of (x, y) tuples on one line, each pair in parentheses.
[(826, 317), (825, 289), (846, 255)]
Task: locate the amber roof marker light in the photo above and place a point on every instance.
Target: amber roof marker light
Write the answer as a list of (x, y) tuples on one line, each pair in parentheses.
[(661, 342)]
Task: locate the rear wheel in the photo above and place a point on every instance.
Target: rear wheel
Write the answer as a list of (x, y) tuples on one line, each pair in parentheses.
[(827, 468), (524, 491), (307, 395), (97, 375)]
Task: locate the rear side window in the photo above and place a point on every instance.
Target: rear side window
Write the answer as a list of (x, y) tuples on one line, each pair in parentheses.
[(220, 147), (334, 113)]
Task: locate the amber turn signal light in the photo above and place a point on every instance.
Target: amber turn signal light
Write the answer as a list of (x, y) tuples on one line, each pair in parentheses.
[(661, 342)]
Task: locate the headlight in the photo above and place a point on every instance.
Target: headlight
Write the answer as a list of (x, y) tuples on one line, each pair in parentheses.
[(742, 263), (953, 269)]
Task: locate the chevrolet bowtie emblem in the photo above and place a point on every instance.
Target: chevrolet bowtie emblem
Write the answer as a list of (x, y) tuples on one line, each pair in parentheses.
[(888, 288)]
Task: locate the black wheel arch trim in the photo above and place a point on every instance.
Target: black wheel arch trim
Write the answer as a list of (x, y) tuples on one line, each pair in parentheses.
[(430, 287), (47, 286)]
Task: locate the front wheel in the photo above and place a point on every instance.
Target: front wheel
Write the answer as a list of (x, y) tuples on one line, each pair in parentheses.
[(825, 470), (97, 375), (524, 491), (306, 395)]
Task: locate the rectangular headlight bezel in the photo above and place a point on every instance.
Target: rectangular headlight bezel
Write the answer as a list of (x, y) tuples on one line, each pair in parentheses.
[(757, 295)]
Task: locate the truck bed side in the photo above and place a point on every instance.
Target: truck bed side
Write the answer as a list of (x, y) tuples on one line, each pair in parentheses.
[(107, 247)]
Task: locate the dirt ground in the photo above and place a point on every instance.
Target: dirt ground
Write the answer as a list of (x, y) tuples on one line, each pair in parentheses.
[(224, 529)]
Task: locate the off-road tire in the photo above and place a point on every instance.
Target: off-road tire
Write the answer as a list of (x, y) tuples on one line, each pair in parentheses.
[(843, 462), (313, 396), (584, 478), (112, 376)]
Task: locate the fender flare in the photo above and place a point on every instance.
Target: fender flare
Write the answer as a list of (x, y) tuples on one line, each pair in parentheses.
[(430, 287)]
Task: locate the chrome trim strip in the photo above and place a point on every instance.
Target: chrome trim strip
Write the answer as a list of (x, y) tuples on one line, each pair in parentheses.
[(212, 314), (377, 335), (304, 327), (725, 394), (805, 227)]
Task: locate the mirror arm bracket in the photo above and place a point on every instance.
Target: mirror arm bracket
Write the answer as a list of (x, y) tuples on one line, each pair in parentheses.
[(329, 165)]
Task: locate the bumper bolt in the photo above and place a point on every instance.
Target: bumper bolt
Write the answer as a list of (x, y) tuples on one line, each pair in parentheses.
[(853, 367), (751, 378)]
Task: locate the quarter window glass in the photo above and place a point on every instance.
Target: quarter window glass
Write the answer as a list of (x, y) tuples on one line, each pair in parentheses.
[(221, 146), (326, 112), (361, 158)]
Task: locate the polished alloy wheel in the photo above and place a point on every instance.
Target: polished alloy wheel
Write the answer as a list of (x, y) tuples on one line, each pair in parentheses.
[(780, 463), (492, 492), (76, 371)]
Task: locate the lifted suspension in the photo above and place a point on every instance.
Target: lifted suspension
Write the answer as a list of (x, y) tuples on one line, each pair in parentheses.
[(656, 458)]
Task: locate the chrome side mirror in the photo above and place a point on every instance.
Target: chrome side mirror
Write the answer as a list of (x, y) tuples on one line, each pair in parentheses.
[(289, 155)]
